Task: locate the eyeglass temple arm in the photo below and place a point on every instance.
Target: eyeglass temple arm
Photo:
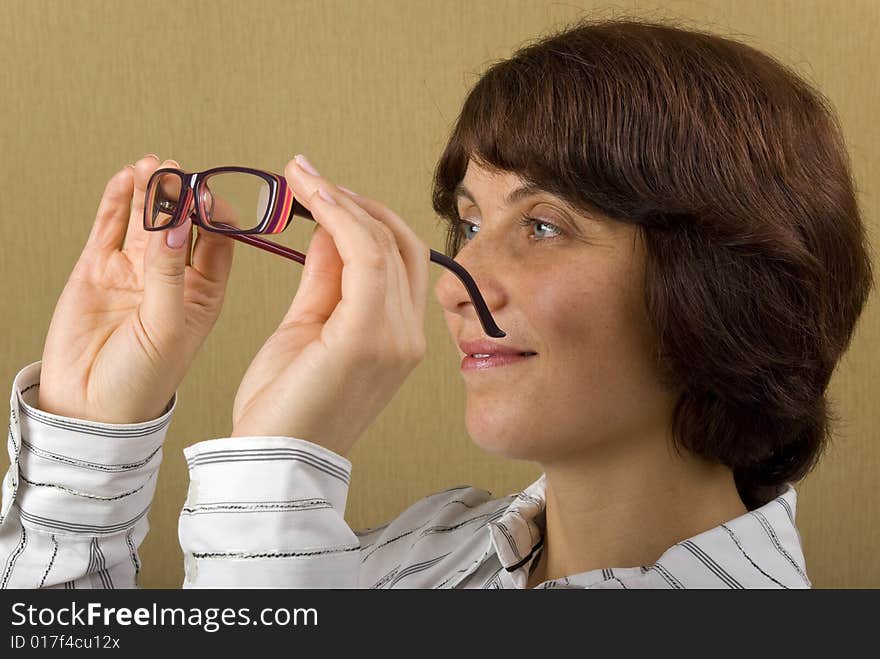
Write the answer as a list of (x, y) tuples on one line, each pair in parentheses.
[(275, 248), (486, 320)]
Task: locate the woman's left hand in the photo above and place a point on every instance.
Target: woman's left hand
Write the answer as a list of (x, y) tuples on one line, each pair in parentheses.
[(355, 328)]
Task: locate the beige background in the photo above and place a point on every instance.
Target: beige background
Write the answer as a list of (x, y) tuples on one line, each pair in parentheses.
[(368, 90)]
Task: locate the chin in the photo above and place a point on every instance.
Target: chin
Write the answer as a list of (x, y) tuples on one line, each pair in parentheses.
[(502, 437)]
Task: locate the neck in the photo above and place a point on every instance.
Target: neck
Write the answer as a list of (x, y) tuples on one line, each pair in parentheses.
[(625, 507)]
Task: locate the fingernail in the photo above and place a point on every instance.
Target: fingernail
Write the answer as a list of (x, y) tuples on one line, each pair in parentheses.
[(305, 164), (130, 165), (351, 192), (177, 236), (326, 196), (152, 155)]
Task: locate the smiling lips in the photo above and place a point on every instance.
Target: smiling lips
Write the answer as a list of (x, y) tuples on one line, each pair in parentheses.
[(483, 354)]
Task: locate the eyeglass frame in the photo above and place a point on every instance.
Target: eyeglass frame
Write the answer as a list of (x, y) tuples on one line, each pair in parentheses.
[(277, 219)]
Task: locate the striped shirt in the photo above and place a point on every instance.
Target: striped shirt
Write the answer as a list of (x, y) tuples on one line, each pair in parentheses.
[(269, 512)]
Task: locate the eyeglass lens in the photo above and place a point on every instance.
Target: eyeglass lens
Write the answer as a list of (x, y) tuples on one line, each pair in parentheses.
[(228, 199)]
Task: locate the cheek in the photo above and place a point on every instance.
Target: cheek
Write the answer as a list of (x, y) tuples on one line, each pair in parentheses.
[(593, 333), (577, 320)]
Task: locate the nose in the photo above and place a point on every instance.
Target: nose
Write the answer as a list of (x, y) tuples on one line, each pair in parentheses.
[(453, 295)]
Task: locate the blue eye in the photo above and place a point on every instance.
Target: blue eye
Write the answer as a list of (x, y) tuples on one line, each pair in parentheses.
[(526, 221), (469, 229), (464, 227)]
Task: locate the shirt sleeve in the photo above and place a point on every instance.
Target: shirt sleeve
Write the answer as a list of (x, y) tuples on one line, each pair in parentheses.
[(76, 494), (267, 512)]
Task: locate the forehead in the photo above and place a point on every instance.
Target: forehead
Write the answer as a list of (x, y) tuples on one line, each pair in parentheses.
[(480, 182), (476, 176)]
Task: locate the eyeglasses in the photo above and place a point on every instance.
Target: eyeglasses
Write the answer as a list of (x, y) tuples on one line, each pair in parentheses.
[(240, 202)]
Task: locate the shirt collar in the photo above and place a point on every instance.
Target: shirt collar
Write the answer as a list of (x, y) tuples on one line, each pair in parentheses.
[(760, 549), (519, 532)]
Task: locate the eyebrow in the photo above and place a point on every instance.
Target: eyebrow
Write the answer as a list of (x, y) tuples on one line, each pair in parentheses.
[(513, 197)]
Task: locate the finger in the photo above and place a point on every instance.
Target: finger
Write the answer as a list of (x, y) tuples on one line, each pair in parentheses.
[(212, 255), (408, 262), (364, 277), (136, 238), (396, 301), (416, 254), (305, 188), (108, 230), (320, 287), (162, 310), (398, 297), (305, 185)]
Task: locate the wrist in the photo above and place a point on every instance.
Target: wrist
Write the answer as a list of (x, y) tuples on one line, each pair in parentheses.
[(340, 446)]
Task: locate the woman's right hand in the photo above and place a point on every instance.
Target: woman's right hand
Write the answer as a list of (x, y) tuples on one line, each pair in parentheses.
[(134, 311)]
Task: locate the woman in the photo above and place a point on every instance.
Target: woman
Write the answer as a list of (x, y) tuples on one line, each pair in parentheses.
[(664, 224)]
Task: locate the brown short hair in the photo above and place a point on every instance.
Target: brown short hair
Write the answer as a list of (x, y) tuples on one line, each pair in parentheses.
[(736, 174)]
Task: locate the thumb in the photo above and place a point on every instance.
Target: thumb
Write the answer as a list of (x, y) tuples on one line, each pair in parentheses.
[(320, 287), (164, 270)]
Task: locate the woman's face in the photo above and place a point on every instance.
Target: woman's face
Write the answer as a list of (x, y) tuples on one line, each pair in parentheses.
[(568, 287)]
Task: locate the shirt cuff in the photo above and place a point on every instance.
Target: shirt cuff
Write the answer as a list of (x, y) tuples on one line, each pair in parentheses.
[(267, 512), (76, 477)]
